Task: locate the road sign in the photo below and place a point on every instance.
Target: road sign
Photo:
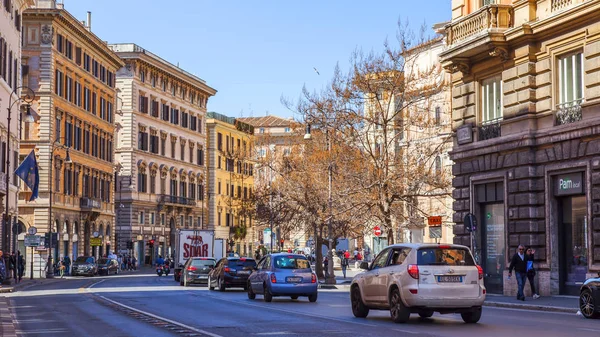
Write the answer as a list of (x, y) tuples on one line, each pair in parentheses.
[(32, 240), (434, 221), (32, 230), (95, 241), (377, 231)]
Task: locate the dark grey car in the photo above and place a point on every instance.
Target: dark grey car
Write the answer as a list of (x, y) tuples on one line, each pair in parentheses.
[(195, 270), (84, 265)]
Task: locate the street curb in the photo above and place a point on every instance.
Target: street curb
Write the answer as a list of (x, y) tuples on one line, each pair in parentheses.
[(7, 322), (530, 307)]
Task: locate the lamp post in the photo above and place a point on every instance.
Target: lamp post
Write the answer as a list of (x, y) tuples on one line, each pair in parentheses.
[(6, 229), (54, 146), (330, 277)]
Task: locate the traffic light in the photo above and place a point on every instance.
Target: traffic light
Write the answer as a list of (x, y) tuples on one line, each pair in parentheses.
[(129, 244), (151, 242)]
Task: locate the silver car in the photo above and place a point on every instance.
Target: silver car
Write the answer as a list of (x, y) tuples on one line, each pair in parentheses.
[(422, 279)]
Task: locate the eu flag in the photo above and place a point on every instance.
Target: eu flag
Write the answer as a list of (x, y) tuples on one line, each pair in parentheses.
[(28, 172)]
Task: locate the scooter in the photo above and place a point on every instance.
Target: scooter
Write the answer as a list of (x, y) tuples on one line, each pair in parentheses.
[(164, 269)]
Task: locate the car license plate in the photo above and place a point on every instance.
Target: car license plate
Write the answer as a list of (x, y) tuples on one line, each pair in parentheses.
[(244, 272), (449, 279), (293, 279), (202, 276)]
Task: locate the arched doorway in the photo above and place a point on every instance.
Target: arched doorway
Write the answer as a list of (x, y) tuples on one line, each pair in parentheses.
[(64, 235)]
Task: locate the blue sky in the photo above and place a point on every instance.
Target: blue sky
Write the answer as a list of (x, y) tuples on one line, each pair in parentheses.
[(255, 52)]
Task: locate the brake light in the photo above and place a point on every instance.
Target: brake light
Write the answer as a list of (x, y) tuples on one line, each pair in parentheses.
[(226, 269), (480, 271), (243, 259), (273, 278), (413, 271), (444, 246), (313, 279), (191, 268)]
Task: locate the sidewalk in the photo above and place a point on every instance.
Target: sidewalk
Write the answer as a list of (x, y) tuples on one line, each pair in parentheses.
[(568, 304)]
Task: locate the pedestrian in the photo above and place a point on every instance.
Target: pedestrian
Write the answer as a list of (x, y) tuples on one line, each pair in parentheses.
[(355, 253), (344, 264), (133, 263), (325, 265), (61, 268), (13, 265), (531, 271), (347, 254), (519, 264), (20, 265), (2, 269), (67, 262)]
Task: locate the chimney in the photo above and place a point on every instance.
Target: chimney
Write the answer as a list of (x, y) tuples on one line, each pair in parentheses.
[(48, 4), (89, 21)]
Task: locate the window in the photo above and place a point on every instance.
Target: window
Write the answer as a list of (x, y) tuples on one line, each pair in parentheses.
[(143, 104), (399, 255), (438, 116), (154, 110), (381, 259), (288, 130), (68, 134), (191, 155), (165, 112), (153, 143), (152, 221), (94, 102), (142, 182), (59, 83), (152, 183), (219, 142), (182, 151), (86, 99), (141, 218), (570, 79), (173, 148), (200, 156), (142, 140), (491, 99), (77, 99), (69, 92), (444, 256), (162, 146)]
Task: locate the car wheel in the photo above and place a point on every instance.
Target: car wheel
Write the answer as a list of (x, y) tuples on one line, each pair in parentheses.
[(221, 285), (359, 309), (587, 305), (472, 316), (295, 297), (251, 294), (426, 313), (398, 311), (312, 298), (210, 286), (267, 295)]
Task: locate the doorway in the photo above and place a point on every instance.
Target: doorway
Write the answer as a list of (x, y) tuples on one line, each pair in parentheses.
[(492, 244), (573, 245)]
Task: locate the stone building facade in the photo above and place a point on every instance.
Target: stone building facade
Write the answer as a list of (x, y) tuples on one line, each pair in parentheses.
[(72, 72), (526, 112), (161, 142)]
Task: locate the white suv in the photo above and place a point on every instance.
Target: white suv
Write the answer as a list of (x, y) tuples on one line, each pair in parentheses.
[(420, 278)]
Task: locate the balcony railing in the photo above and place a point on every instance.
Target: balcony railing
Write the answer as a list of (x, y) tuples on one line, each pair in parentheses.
[(90, 203), (171, 199), (569, 112), (490, 129), (492, 16), (560, 4)]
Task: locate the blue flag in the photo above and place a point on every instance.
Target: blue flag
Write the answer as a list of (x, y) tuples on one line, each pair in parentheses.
[(28, 172)]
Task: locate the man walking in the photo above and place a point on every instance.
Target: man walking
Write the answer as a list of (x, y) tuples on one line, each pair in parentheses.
[(20, 265), (344, 265), (519, 264), (2, 269)]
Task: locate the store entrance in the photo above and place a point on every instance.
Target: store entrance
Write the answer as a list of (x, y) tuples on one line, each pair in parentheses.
[(573, 244), (492, 246)]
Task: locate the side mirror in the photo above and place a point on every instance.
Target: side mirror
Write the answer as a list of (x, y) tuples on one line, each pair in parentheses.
[(364, 265)]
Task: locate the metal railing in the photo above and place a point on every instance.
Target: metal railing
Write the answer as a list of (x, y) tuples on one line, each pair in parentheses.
[(569, 112), (90, 203), (560, 4), (490, 129), (172, 199)]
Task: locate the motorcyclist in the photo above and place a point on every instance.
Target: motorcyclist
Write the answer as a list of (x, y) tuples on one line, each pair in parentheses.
[(160, 261)]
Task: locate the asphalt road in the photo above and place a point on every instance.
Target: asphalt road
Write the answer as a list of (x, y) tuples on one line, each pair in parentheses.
[(146, 305)]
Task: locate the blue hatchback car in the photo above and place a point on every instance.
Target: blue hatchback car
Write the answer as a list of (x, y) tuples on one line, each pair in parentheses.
[(283, 274)]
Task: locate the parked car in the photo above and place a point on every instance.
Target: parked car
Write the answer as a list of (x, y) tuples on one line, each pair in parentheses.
[(84, 265), (195, 270), (589, 298), (231, 272), (422, 279), (283, 274), (108, 266)]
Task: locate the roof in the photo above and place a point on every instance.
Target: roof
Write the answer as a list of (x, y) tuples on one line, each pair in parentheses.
[(267, 121)]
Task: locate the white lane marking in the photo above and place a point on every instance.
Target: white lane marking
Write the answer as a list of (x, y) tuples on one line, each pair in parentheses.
[(406, 331), (275, 333), (41, 331), (339, 305), (586, 329), (291, 311), (94, 284), (161, 318)]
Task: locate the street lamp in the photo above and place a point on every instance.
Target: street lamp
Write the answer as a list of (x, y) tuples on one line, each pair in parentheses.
[(329, 278), (55, 146), (28, 99)]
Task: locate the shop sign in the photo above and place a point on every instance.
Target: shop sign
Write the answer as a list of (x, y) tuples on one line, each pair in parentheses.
[(95, 241), (568, 184)]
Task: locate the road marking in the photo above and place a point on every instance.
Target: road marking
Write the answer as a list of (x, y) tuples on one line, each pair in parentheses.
[(406, 331), (94, 284), (292, 312), (586, 329), (276, 333), (161, 318), (339, 305)]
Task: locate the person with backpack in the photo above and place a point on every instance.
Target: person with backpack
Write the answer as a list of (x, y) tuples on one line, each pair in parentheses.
[(531, 271), (344, 265)]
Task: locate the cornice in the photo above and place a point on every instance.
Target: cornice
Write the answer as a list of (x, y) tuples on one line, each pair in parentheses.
[(75, 27)]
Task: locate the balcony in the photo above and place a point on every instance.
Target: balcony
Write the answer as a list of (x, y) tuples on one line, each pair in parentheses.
[(86, 203), (490, 129), (557, 5), (569, 112), (175, 200), (490, 18)]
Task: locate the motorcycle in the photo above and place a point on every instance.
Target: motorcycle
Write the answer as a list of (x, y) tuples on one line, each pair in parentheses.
[(164, 269)]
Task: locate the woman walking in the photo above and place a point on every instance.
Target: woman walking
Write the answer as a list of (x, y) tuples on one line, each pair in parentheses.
[(531, 271)]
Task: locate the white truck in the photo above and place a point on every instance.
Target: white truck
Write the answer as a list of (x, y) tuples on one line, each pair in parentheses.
[(195, 243)]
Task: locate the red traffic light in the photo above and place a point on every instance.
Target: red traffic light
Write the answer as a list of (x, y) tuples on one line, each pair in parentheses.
[(151, 242)]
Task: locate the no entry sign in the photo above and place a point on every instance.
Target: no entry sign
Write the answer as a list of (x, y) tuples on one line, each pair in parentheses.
[(377, 231)]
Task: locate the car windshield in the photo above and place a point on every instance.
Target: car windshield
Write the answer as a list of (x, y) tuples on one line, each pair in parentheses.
[(291, 262), (202, 263), (242, 263), (444, 257), (84, 259)]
